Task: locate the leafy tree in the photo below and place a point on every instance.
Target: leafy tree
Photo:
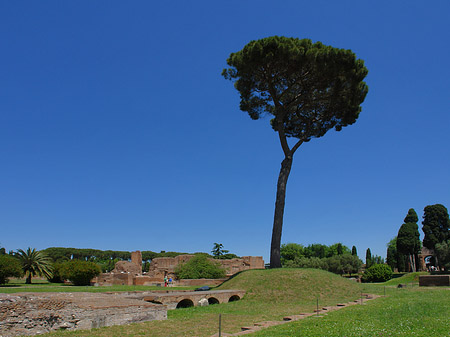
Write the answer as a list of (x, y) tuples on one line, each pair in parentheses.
[(200, 266), (377, 273), (218, 250), (9, 267), (308, 88), (443, 253), (34, 263), (368, 258), (79, 272), (436, 225), (307, 262), (354, 252), (376, 260), (392, 254), (291, 251), (2, 251), (56, 277), (344, 264), (337, 249), (316, 250), (408, 239)]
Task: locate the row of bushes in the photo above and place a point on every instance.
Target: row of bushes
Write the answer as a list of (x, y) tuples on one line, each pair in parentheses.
[(79, 272), (338, 264)]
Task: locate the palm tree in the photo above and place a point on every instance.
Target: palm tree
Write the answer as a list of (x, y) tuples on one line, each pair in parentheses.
[(34, 263)]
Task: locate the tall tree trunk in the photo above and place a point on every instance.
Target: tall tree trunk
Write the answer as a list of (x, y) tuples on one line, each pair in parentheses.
[(275, 258), (414, 261), (410, 269), (28, 281)]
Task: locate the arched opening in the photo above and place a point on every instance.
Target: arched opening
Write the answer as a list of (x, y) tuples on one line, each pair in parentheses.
[(234, 298), (186, 303), (213, 300)]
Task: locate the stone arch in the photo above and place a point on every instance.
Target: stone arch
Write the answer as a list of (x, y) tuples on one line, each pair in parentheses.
[(234, 298), (213, 300), (186, 303)]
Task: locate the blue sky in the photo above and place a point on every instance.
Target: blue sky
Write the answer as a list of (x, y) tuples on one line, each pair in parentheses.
[(117, 130)]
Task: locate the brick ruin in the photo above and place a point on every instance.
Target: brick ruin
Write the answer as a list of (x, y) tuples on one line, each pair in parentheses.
[(130, 273), (37, 313)]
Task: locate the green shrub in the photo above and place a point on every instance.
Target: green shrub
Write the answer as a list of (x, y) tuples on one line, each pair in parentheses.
[(56, 275), (79, 272), (9, 267), (377, 273), (199, 267)]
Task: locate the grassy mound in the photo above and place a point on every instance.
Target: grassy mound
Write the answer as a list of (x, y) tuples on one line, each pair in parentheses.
[(288, 285), (406, 278)]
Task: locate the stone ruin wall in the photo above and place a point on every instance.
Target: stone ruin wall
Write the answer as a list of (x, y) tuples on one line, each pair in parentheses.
[(37, 313), (130, 273)]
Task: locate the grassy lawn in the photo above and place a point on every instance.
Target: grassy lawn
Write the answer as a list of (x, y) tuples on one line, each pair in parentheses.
[(412, 311), (19, 286), (273, 294)]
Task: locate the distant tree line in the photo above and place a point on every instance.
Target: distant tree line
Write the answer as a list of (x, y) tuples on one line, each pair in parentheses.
[(106, 259), (336, 258), (403, 250)]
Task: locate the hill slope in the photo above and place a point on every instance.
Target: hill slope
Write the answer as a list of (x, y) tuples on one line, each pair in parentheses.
[(288, 285)]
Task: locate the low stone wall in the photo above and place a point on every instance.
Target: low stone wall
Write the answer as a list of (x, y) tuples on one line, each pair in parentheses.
[(434, 280), (37, 313)]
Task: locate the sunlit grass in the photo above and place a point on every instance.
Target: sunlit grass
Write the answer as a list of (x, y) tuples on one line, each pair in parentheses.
[(404, 312)]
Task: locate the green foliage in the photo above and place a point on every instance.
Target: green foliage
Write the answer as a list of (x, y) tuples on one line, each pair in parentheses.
[(443, 254), (199, 267), (377, 273), (411, 216), (229, 256), (408, 239), (79, 272), (308, 87), (9, 267), (368, 258), (34, 263), (338, 264), (218, 250), (436, 225), (290, 252), (392, 254), (344, 264), (316, 250), (56, 276), (60, 254), (354, 252), (307, 262)]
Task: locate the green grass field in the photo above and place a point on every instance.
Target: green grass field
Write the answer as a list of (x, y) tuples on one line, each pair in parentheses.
[(273, 294)]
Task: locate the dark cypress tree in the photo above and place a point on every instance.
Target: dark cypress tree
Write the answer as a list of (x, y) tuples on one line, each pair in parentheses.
[(436, 225), (340, 250), (408, 240), (368, 258), (354, 252)]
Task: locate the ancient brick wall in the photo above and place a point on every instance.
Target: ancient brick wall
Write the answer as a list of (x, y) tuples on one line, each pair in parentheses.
[(33, 313), (130, 273)]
